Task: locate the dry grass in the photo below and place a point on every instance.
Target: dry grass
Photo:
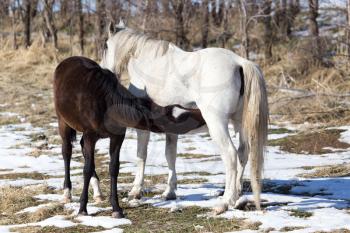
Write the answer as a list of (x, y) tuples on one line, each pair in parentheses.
[(26, 175), (160, 220), (193, 156), (293, 67), (52, 229), (341, 170), (311, 142), (286, 229), (14, 199), (300, 213)]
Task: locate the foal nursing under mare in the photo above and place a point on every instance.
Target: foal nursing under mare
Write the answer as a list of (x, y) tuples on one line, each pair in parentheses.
[(91, 100), (225, 87)]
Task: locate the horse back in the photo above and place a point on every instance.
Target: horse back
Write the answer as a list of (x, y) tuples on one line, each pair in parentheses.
[(77, 96)]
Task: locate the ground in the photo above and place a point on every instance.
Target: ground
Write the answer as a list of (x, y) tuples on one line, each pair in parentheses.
[(303, 191)]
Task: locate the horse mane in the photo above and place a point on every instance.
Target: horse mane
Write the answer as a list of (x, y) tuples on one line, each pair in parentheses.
[(106, 87), (130, 43)]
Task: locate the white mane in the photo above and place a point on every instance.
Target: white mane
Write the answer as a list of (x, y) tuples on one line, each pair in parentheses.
[(129, 43)]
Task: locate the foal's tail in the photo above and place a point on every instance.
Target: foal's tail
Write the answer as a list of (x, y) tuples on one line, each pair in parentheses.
[(254, 123)]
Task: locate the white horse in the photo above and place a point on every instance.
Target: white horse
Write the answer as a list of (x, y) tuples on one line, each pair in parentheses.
[(224, 86)]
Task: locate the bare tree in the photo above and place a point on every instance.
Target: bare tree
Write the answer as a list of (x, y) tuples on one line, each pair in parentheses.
[(218, 11), (267, 29), (348, 30), (281, 18), (205, 24), (64, 8), (26, 17), (14, 15), (49, 20), (100, 25), (79, 10), (181, 39), (292, 12), (313, 27), (244, 29), (313, 14)]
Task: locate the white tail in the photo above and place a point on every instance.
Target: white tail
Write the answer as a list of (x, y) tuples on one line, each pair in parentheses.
[(254, 123)]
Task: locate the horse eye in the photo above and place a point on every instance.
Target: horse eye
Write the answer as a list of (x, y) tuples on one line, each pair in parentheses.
[(105, 45)]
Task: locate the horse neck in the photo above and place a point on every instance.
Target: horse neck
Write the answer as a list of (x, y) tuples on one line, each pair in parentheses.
[(130, 111)]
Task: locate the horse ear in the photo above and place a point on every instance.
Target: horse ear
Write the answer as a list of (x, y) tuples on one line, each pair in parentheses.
[(121, 23), (120, 26), (111, 29)]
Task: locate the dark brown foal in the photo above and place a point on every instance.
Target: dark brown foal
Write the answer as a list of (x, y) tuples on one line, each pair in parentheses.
[(90, 99)]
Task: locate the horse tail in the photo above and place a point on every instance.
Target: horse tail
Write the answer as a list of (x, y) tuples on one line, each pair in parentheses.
[(254, 123)]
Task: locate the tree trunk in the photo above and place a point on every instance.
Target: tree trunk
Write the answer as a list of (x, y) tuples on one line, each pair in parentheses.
[(348, 30), (313, 14), (48, 15), (218, 11), (181, 39), (244, 30), (205, 25), (64, 7), (313, 28), (26, 22), (283, 19), (79, 7), (267, 29), (101, 23), (14, 24), (293, 11), (225, 35)]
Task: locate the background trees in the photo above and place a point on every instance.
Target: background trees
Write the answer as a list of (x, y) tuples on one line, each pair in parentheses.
[(253, 28)]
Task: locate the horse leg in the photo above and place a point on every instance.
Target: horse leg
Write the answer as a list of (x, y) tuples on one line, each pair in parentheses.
[(114, 151), (67, 134), (170, 154), (142, 143), (94, 182), (218, 129), (89, 167)]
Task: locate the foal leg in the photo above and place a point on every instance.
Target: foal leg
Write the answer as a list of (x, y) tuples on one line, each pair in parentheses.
[(95, 181), (170, 154), (89, 168), (142, 143), (67, 134), (114, 150)]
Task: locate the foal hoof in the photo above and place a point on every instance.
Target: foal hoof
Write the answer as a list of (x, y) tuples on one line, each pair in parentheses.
[(117, 214), (220, 209), (98, 199), (83, 213)]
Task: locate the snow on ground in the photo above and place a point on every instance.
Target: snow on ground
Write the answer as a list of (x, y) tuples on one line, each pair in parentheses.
[(324, 198)]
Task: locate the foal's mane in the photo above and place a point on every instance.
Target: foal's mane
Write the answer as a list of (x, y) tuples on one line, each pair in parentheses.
[(129, 43), (105, 85)]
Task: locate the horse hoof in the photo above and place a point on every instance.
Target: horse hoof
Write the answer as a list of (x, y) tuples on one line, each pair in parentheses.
[(83, 213), (169, 196), (136, 196), (220, 209), (117, 214), (98, 199)]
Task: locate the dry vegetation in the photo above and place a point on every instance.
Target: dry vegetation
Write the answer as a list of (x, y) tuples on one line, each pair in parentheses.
[(340, 170), (315, 142)]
